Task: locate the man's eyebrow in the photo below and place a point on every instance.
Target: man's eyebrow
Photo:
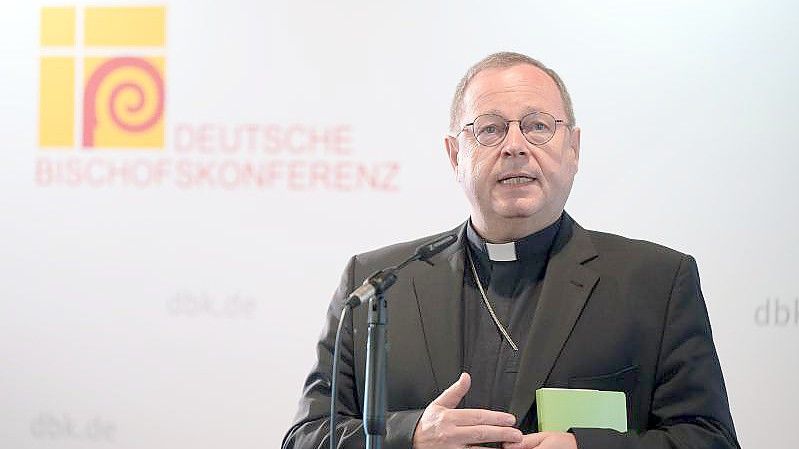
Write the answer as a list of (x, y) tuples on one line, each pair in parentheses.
[(490, 111), (525, 111), (530, 110)]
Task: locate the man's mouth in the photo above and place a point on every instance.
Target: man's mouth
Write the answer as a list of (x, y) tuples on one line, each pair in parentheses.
[(515, 180)]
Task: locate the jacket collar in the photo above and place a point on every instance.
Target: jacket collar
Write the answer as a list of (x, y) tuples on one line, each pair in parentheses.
[(567, 284)]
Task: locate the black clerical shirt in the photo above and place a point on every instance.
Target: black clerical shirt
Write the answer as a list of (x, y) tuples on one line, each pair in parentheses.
[(512, 288)]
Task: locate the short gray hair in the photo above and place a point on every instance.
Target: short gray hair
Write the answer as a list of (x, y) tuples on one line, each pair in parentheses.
[(504, 60)]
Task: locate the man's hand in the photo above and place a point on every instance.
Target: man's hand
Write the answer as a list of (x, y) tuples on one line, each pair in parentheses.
[(442, 426), (544, 440)]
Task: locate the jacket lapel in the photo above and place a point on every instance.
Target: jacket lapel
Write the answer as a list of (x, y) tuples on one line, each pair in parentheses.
[(438, 291), (565, 289)]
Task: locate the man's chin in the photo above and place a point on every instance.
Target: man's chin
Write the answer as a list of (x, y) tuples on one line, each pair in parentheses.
[(518, 208)]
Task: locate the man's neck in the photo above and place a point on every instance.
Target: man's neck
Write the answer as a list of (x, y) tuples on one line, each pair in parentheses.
[(505, 230)]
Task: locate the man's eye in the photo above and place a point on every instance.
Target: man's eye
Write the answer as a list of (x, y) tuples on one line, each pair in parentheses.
[(490, 129), (537, 127)]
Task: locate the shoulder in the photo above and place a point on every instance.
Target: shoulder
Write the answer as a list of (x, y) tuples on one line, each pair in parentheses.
[(607, 243), (639, 257)]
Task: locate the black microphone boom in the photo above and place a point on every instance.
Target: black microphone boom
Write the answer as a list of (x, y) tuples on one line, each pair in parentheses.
[(429, 250), (380, 281)]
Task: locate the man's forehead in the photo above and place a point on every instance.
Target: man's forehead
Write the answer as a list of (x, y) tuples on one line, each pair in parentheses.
[(515, 86)]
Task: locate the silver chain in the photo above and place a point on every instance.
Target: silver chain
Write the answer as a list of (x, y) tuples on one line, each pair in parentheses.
[(488, 304)]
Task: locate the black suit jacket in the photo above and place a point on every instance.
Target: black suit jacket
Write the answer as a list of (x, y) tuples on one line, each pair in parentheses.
[(614, 314)]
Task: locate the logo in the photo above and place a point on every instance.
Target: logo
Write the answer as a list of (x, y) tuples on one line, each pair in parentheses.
[(65, 426), (116, 53), (777, 312), (102, 86), (204, 304)]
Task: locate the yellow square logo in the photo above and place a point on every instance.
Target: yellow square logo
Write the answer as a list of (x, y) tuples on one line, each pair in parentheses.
[(117, 53)]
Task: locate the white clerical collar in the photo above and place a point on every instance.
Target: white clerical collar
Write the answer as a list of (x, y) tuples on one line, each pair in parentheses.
[(533, 247), (501, 252)]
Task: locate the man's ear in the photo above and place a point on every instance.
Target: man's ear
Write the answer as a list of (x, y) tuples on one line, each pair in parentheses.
[(451, 147), (574, 144)]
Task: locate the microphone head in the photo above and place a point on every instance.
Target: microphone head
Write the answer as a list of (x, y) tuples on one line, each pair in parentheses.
[(434, 247)]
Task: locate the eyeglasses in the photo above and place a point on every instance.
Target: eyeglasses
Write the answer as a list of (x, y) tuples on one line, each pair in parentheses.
[(490, 129)]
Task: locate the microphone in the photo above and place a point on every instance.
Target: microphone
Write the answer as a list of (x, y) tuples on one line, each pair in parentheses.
[(429, 250), (363, 293), (381, 280)]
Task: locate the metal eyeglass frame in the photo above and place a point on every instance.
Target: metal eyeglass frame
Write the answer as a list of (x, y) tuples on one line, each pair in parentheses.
[(507, 128)]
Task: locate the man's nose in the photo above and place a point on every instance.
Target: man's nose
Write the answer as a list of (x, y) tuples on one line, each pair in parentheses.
[(515, 144)]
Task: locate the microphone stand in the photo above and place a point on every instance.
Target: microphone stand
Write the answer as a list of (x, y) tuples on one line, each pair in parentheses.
[(374, 288), (374, 401), (374, 422)]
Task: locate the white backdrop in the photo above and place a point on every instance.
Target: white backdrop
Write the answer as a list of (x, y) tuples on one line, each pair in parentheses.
[(177, 302)]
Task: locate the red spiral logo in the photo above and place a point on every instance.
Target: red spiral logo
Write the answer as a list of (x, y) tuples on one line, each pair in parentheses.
[(93, 85)]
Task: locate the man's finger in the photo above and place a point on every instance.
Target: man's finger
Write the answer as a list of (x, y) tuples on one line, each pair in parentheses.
[(529, 441), (453, 395), (487, 434), (476, 416)]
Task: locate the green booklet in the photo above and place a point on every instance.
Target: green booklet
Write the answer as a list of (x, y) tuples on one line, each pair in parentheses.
[(560, 409)]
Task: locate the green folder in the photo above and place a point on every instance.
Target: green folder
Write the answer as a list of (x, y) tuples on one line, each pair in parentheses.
[(560, 409)]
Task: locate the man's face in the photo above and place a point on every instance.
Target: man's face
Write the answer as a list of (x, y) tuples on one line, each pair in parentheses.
[(515, 181)]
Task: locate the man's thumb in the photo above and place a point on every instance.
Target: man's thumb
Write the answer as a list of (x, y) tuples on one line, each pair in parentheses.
[(453, 395)]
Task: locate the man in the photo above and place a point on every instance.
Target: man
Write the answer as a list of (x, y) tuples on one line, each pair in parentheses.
[(525, 298)]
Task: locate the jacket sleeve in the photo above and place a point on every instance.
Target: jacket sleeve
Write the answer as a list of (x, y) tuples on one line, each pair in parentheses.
[(689, 404), (311, 425)]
